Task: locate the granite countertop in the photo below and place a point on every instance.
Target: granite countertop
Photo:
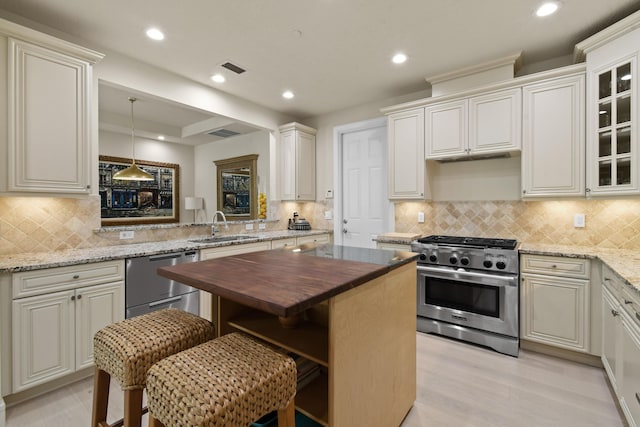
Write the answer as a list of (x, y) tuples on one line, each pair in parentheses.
[(285, 282), (39, 260)]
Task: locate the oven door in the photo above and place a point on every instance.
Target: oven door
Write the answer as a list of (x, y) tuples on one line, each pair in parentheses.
[(488, 302)]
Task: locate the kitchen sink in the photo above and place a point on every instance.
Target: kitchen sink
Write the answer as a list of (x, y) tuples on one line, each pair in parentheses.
[(216, 239)]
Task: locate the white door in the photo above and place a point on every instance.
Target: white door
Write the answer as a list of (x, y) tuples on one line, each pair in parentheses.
[(365, 206)]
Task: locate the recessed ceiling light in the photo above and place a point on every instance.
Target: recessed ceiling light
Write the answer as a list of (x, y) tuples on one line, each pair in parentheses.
[(218, 78), (287, 94), (155, 34), (547, 8), (161, 137), (399, 58)]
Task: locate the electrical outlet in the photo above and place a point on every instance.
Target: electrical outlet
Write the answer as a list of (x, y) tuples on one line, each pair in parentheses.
[(578, 220), (328, 215), (421, 217), (127, 234), (248, 226), (262, 226), (328, 194)]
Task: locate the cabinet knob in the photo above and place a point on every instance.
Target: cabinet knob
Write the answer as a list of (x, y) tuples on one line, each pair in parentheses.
[(554, 266), (76, 276), (588, 190), (73, 297), (524, 191), (79, 296)]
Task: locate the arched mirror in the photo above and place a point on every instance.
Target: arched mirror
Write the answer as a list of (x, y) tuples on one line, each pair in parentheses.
[(237, 188)]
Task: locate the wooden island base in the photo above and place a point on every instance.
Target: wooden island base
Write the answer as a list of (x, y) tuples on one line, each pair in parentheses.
[(365, 340)]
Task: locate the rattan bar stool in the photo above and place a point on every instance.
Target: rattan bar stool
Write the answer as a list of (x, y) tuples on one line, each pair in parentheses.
[(231, 381), (127, 349)]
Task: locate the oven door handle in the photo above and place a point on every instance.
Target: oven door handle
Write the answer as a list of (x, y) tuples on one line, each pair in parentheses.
[(468, 276)]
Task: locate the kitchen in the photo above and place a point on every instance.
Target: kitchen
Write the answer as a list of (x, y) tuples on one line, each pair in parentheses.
[(505, 215)]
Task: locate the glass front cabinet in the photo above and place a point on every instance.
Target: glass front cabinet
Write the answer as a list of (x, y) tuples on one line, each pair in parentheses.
[(612, 135)]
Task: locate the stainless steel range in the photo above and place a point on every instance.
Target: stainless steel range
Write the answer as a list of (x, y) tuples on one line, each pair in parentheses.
[(468, 289)]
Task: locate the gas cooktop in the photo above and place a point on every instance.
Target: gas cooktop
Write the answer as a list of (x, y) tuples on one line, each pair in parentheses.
[(469, 242)]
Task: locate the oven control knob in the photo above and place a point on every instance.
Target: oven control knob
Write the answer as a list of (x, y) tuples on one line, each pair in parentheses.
[(433, 258), (453, 260), (423, 257), (487, 263), (501, 265), (464, 260)]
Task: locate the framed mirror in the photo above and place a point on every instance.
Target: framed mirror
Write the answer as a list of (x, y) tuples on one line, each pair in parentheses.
[(237, 188)]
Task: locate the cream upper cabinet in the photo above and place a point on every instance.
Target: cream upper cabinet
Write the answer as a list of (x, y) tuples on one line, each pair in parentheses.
[(486, 124), (297, 162), (613, 154), (406, 155), (48, 119), (553, 146)]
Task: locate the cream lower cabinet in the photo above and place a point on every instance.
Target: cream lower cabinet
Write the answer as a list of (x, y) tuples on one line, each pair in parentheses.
[(621, 343), (314, 238), (555, 301), (393, 246), (53, 328)]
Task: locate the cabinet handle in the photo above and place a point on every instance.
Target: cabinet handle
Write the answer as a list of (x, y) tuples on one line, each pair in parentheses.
[(615, 312), (76, 276), (554, 266), (626, 301), (638, 397)]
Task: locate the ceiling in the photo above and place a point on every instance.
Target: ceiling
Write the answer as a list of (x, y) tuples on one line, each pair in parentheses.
[(333, 54)]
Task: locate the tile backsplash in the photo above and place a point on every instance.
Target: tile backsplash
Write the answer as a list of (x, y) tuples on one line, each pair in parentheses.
[(40, 224), (609, 223)]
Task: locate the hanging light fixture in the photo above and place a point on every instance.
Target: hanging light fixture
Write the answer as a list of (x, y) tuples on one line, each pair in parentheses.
[(133, 172)]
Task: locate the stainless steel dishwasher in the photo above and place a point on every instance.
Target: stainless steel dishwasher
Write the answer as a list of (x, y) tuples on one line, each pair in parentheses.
[(146, 291)]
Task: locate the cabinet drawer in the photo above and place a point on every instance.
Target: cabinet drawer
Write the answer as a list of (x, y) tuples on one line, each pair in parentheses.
[(318, 238), (556, 266), (630, 302), (61, 278), (282, 243)]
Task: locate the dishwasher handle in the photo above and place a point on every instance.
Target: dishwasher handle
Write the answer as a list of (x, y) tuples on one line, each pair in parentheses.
[(165, 256), (165, 301)]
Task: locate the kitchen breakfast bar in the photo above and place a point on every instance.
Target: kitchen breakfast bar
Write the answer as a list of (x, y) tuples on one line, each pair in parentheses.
[(350, 310)]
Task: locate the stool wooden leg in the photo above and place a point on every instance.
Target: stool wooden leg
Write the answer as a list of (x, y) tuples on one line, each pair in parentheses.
[(133, 408), (153, 422), (101, 381), (287, 416)]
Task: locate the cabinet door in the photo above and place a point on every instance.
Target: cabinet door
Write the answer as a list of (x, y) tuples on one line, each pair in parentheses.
[(556, 311), (553, 152), (287, 148), (49, 128), (406, 155), (611, 338), (495, 122), (96, 307), (613, 152), (631, 370), (43, 338), (446, 130), (305, 166)]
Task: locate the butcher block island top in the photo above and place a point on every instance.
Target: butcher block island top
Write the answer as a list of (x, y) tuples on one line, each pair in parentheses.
[(287, 281), (357, 321)]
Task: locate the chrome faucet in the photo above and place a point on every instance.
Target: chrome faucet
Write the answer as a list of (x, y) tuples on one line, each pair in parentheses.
[(215, 222)]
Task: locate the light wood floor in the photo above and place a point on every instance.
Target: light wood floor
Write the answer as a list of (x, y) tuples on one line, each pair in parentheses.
[(458, 385)]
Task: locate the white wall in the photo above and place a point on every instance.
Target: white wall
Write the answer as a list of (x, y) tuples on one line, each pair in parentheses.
[(119, 145), (241, 145)]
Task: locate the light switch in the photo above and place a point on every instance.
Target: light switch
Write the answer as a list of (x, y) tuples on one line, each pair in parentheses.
[(328, 215), (262, 226), (127, 234), (248, 226), (420, 217), (578, 220)]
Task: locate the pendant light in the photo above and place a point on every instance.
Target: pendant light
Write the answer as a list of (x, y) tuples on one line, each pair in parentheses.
[(133, 172)]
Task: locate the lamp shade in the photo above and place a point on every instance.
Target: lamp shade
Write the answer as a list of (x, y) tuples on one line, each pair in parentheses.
[(193, 203)]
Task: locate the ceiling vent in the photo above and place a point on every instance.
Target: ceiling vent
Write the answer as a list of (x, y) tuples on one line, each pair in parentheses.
[(233, 67), (223, 133)]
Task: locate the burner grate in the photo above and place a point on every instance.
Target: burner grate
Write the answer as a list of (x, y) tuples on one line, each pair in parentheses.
[(476, 242)]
